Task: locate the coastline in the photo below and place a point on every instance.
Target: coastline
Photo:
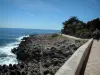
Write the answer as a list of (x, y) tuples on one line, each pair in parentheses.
[(7, 57), (46, 53)]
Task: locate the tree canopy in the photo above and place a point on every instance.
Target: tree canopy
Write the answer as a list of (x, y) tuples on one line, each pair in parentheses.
[(74, 26)]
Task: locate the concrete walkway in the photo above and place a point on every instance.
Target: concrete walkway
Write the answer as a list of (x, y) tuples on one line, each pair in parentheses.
[(72, 37), (93, 64)]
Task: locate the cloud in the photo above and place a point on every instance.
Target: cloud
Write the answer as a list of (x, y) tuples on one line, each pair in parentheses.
[(58, 10), (36, 5)]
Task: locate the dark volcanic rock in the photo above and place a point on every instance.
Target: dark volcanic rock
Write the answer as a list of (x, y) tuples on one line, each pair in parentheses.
[(41, 55), (12, 69)]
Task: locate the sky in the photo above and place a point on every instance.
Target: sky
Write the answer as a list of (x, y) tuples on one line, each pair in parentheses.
[(45, 14)]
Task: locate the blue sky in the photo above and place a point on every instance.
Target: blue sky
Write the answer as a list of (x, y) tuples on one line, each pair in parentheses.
[(45, 14)]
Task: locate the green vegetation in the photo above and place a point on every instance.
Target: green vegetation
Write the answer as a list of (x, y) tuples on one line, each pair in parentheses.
[(54, 35), (78, 28)]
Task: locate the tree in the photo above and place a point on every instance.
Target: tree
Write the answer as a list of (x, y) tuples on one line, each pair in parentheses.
[(71, 25), (76, 27), (93, 24)]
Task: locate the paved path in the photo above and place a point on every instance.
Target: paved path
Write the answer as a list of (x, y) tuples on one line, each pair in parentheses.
[(68, 36), (93, 64)]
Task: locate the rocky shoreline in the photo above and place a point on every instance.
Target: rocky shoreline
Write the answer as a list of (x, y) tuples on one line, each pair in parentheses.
[(41, 55)]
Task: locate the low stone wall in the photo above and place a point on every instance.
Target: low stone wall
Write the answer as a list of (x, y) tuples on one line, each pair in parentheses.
[(74, 64)]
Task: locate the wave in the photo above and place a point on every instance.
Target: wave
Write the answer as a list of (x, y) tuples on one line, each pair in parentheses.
[(6, 56), (19, 39)]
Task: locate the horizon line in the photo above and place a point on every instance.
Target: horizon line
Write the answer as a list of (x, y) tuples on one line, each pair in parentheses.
[(30, 28)]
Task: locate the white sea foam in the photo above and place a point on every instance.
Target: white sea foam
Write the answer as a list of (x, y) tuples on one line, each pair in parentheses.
[(7, 57), (19, 39)]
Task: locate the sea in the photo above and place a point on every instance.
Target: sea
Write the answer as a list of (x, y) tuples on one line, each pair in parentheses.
[(11, 37)]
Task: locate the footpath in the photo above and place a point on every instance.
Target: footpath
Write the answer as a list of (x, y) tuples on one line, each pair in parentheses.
[(93, 64)]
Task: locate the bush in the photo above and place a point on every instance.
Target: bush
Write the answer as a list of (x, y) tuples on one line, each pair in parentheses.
[(82, 33), (96, 34), (78, 28), (54, 35)]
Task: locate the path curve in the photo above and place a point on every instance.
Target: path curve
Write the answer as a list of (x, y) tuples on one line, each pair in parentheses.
[(68, 36)]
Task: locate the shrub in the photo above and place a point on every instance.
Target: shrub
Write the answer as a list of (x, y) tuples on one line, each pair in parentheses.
[(54, 35)]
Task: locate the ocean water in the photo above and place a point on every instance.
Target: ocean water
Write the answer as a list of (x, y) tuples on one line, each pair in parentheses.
[(10, 38)]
